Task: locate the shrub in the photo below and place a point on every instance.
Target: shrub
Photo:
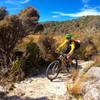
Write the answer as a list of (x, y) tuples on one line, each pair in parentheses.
[(33, 51), (89, 45), (16, 72), (47, 47), (3, 13), (31, 59), (29, 18), (11, 31)]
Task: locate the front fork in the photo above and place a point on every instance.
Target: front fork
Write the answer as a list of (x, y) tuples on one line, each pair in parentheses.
[(72, 64)]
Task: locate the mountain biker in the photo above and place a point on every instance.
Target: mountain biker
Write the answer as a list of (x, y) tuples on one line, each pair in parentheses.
[(69, 46)]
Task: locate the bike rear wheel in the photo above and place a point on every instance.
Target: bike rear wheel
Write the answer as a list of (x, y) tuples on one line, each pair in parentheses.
[(53, 70)]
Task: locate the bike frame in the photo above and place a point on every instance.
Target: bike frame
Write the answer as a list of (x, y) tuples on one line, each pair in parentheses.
[(62, 59)]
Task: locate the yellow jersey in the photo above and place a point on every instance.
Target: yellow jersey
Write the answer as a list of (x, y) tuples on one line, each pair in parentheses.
[(63, 46)]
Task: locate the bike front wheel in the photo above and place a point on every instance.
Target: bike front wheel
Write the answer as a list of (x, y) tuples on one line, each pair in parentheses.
[(53, 70)]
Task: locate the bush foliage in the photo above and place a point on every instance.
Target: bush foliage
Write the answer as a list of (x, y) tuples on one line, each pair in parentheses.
[(3, 12), (12, 30)]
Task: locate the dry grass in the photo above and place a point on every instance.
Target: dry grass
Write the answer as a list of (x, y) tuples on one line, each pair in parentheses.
[(78, 80), (97, 60), (94, 37), (74, 74), (22, 44), (86, 50), (59, 39), (78, 85)]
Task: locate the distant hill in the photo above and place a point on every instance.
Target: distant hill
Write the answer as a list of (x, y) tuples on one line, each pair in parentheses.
[(86, 24)]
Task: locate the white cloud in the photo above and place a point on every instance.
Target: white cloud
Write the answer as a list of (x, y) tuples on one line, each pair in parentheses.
[(11, 2), (84, 12), (85, 1), (17, 2), (25, 1), (55, 16)]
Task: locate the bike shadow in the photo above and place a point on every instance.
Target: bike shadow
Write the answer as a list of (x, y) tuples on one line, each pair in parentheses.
[(61, 79)]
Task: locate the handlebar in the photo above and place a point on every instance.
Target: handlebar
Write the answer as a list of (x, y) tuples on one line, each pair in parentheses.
[(61, 53), (58, 53)]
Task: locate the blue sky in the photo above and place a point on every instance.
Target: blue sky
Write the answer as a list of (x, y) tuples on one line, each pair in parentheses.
[(55, 10)]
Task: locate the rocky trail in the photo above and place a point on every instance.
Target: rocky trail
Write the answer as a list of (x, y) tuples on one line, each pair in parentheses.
[(40, 88)]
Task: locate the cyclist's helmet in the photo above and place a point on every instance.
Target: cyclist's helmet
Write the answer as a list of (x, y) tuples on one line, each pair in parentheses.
[(68, 36)]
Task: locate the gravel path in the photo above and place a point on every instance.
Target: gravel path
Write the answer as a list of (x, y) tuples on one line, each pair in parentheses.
[(39, 88)]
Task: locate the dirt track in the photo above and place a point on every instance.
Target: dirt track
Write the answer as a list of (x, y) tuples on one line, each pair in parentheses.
[(40, 88)]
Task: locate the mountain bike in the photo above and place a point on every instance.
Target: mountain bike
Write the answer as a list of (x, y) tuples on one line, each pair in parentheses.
[(55, 67)]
